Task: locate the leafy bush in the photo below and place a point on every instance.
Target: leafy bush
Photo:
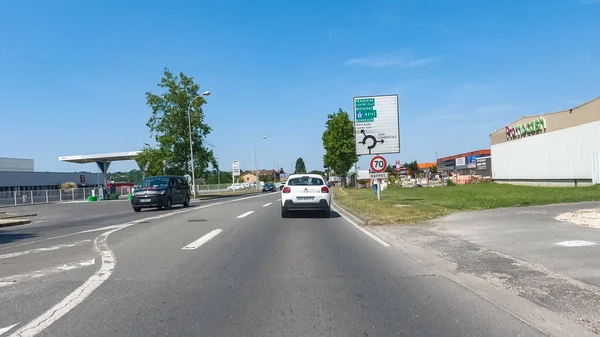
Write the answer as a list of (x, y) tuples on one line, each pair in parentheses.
[(68, 186), (449, 182)]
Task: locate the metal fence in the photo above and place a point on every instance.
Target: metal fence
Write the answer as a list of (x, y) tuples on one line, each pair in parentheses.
[(27, 197), (44, 196)]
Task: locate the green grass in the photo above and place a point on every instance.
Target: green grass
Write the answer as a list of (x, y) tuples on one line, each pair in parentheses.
[(424, 204)]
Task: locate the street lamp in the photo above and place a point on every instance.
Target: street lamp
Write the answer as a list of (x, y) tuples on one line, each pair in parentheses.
[(206, 93), (255, 163), (275, 167), (218, 176)]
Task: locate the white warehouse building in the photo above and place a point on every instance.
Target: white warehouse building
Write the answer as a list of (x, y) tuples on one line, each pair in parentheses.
[(556, 149)]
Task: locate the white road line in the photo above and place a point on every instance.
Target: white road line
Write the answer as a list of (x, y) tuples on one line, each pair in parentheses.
[(45, 249), (3, 330), (245, 214), (109, 261), (265, 205), (369, 234), (204, 239), (14, 279), (278, 199)]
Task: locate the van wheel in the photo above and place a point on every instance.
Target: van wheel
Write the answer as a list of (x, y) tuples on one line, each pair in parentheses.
[(186, 203), (169, 204), (137, 209)]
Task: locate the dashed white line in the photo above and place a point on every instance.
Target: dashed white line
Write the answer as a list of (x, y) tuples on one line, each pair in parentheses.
[(576, 243), (267, 204), (3, 330), (14, 279), (204, 239), (278, 199), (369, 234), (109, 262), (45, 249), (245, 214)]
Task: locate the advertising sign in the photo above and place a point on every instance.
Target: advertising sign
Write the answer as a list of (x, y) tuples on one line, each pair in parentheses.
[(235, 168), (376, 124), (472, 160), (535, 126), (460, 161)]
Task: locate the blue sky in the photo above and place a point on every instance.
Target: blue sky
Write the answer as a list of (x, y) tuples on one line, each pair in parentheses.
[(74, 73)]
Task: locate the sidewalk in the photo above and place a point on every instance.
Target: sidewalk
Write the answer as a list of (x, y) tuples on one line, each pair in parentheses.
[(527, 251)]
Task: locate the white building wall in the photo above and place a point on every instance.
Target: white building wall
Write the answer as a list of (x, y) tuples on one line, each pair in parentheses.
[(562, 154)]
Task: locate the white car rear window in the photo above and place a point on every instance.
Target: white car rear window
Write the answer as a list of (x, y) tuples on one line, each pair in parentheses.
[(305, 181)]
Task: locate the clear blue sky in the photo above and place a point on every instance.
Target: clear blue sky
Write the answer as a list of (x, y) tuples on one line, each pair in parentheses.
[(74, 73)]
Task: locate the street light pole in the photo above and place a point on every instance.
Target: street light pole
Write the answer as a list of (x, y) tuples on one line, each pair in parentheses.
[(189, 113), (275, 168), (255, 163), (218, 176)]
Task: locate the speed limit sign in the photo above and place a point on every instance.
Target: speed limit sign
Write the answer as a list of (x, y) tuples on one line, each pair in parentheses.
[(378, 164)]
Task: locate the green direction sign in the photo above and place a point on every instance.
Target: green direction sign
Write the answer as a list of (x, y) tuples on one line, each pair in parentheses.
[(364, 110)]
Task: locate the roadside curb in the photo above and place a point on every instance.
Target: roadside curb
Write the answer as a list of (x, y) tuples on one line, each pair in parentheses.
[(11, 222), (355, 217)]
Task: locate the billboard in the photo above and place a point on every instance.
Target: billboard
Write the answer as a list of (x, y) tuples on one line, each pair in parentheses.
[(376, 124), (472, 161), (460, 161)]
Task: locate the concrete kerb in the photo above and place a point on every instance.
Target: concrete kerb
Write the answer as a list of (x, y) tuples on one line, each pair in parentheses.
[(363, 221), (13, 222)]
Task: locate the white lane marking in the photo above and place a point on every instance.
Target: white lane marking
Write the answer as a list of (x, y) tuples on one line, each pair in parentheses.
[(118, 226), (204, 239), (278, 199), (576, 243), (245, 214), (14, 279), (109, 262), (3, 330), (369, 234), (267, 204), (45, 249)]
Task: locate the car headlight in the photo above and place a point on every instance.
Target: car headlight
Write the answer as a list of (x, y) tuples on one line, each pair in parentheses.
[(162, 192)]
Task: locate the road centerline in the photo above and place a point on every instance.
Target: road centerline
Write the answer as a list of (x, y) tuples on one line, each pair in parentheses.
[(202, 240), (267, 204), (245, 214)]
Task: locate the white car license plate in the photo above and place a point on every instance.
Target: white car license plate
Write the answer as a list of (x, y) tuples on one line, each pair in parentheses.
[(305, 198), (144, 200)]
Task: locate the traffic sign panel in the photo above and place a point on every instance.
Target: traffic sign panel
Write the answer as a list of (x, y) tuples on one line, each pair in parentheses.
[(378, 164)]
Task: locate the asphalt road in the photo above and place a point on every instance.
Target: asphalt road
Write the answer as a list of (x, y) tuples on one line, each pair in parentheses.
[(229, 267)]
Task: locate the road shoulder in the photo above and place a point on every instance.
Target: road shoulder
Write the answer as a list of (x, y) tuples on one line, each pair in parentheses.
[(550, 302)]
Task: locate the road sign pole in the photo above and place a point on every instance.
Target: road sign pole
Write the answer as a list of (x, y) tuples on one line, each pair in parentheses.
[(379, 189)]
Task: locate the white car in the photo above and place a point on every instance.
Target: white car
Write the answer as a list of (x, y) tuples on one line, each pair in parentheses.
[(305, 192), (235, 187)]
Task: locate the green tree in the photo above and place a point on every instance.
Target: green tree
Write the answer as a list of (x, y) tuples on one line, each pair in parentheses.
[(266, 178), (338, 141), (433, 169), (300, 166), (414, 169), (169, 127), (150, 161), (389, 169), (321, 173)]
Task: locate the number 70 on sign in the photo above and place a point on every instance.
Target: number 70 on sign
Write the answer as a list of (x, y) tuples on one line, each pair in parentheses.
[(378, 164)]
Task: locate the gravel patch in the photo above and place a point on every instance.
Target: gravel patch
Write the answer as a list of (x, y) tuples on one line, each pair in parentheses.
[(584, 217)]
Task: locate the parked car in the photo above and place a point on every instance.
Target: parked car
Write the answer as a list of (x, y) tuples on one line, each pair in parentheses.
[(235, 187), (161, 192), (305, 192), (281, 185), (269, 187)]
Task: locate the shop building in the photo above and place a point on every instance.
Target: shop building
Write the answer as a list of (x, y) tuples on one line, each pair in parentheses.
[(463, 163), (555, 149)]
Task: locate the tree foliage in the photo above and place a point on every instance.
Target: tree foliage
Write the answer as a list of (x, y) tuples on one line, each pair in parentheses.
[(338, 141), (300, 166), (413, 167), (433, 169), (168, 125)]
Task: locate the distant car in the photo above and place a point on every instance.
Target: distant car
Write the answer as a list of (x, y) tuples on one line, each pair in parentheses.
[(161, 192), (281, 185), (235, 187), (305, 192), (269, 187)]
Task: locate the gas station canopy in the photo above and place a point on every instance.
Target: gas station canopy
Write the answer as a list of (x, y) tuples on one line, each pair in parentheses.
[(100, 158)]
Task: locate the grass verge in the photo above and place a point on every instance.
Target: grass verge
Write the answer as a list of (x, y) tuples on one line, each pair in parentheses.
[(416, 205)]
